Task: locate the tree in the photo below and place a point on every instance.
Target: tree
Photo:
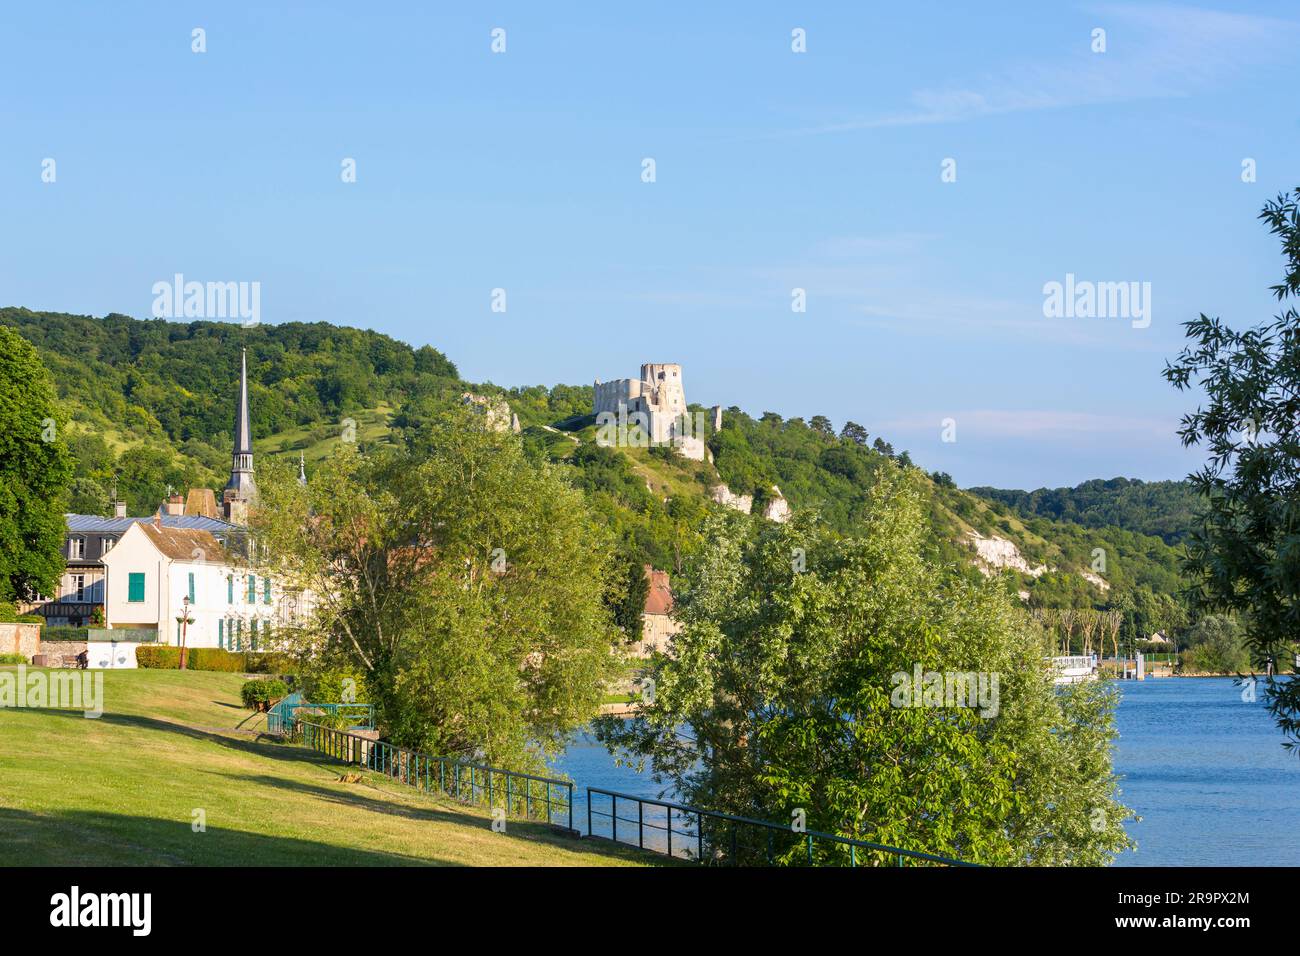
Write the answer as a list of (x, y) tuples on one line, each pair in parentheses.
[(787, 674), (855, 433), (1215, 645), (35, 469), (822, 425), (466, 584), (629, 601), (1243, 554)]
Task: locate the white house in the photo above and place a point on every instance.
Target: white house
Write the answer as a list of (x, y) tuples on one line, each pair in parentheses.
[(153, 569)]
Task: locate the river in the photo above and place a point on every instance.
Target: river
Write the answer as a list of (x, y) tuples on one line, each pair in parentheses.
[(1204, 770)]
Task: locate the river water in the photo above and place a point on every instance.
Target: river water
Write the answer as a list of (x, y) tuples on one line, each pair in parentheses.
[(1204, 770)]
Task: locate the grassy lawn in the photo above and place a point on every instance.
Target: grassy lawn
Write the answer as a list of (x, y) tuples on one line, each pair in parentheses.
[(122, 790)]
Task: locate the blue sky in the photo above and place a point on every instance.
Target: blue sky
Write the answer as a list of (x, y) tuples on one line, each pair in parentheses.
[(775, 170)]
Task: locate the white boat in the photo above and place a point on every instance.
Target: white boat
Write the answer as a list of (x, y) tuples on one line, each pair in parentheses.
[(1073, 670)]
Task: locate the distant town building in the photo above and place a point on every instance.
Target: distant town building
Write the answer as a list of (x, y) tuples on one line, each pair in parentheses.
[(657, 623), (88, 539), (156, 572)]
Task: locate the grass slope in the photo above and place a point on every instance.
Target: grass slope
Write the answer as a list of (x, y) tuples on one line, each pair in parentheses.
[(121, 790)]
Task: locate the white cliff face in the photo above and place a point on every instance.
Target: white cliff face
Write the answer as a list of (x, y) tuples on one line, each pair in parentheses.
[(1096, 580), (723, 496), (996, 553), (777, 508)]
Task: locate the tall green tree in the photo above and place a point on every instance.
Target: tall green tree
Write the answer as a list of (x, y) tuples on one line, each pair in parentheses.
[(468, 585), (782, 696), (1243, 553), (35, 469), (629, 600)]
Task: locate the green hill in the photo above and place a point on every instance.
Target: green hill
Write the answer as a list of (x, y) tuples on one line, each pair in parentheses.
[(1162, 508), (151, 402)]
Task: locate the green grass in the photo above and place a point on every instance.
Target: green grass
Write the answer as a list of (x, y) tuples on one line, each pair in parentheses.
[(371, 426), (122, 790)]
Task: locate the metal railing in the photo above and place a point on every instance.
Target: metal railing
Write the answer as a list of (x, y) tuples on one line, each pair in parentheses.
[(519, 794), (282, 715), (724, 839)]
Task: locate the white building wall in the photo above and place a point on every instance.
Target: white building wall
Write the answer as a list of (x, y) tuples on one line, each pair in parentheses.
[(221, 612), (133, 553)]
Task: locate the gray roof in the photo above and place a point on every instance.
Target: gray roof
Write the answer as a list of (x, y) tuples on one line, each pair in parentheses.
[(94, 523)]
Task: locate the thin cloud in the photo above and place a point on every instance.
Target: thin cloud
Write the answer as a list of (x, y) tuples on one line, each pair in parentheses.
[(1153, 52)]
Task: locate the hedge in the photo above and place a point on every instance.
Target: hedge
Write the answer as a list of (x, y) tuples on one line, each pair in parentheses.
[(168, 657), (198, 659), (60, 632), (12, 659)]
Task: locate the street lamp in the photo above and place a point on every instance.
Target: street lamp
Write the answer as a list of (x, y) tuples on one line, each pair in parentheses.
[(184, 620)]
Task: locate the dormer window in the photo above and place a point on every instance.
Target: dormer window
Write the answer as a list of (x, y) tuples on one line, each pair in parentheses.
[(106, 545), (76, 548)]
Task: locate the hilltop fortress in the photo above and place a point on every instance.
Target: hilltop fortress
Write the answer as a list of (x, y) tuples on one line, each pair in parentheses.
[(657, 403)]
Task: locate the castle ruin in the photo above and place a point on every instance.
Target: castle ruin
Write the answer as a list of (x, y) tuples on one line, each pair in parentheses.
[(656, 402)]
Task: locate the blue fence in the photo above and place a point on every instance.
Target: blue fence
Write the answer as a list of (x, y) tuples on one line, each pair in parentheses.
[(280, 718), (519, 794), (724, 839)]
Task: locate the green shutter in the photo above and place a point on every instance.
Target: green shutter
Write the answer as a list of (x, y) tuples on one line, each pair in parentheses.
[(221, 632), (135, 587), (252, 589), (191, 587), (230, 589), (266, 590)]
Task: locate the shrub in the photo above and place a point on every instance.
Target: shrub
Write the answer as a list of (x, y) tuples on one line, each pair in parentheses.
[(12, 659), (336, 686), (260, 694)]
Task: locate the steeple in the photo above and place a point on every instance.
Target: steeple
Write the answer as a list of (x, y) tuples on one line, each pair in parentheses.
[(240, 487), (302, 469)]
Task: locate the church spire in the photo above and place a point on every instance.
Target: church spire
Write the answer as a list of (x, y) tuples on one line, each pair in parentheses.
[(302, 469), (240, 487), (243, 433)]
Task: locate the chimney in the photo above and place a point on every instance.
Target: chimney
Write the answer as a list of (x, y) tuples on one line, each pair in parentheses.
[(174, 505), (119, 509)]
